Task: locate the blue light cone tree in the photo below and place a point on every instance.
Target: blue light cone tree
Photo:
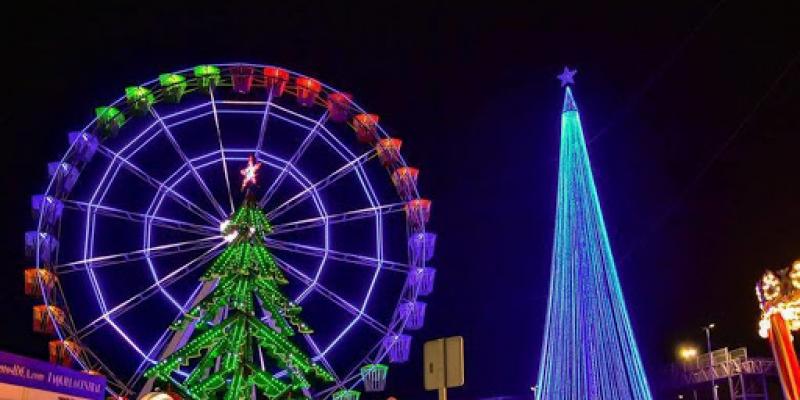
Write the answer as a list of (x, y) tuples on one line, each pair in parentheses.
[(589, 350)]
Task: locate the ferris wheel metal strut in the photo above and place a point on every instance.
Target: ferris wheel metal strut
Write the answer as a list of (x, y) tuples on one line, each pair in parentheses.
[(333, 297), (158, 185), (331, 219), (135, 255), (351, 258), (185, 159), (312, 133), (319, 185), (145, 294), (162, 222)]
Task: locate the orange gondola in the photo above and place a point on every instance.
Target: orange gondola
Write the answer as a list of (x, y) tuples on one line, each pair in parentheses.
[(37, 279), (389, 151), (45, 318), (418, 212), (405, 181), (61, 352)]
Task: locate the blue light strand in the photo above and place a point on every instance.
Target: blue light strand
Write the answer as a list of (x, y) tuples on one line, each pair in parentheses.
[(589, 350)]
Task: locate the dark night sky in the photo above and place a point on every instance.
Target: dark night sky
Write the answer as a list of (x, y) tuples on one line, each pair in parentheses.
[(662, 87)]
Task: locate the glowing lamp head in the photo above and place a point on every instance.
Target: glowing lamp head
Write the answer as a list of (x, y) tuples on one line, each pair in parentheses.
[(687, 352)]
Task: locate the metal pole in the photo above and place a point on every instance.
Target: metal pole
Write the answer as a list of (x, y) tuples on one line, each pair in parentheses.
[(707, 328)]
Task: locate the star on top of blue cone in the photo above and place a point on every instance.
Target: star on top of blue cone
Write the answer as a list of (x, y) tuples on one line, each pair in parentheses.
[(567, 78)]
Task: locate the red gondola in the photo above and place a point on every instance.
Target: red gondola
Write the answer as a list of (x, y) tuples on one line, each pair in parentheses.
[(307, 90), (366, 126), (339, 106), (275, 80), (242, 78)]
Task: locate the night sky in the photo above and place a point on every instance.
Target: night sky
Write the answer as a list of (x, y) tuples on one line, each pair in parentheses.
[(691, 110)]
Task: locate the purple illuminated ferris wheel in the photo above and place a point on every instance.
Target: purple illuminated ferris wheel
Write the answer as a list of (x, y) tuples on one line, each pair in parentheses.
[(136, 208)]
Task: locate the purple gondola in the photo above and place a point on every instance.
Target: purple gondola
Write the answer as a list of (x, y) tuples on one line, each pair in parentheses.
[(421, 280), (47, 209), (65, 175), (422, 246), (414, 314), (84, 145), (397, 347), (46, 244)]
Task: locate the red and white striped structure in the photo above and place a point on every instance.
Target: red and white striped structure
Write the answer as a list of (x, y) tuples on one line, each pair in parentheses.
[(779, 295)]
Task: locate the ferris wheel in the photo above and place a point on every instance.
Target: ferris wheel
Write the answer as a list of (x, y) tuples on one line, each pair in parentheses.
[(136, 208)]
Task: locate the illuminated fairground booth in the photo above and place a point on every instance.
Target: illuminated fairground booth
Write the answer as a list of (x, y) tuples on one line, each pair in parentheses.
[(26, 378)]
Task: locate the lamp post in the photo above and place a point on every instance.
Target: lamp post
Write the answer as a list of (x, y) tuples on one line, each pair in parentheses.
[(708, 329), (688, 353)]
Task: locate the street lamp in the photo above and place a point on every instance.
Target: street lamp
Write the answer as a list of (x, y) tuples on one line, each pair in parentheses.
[(687, 353), (708, 329)]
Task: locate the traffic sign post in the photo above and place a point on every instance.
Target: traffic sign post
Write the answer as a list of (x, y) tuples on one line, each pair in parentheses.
[(444, 364)]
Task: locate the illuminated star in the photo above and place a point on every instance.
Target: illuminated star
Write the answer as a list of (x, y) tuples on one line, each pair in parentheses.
[(249, 172), (567, 77)]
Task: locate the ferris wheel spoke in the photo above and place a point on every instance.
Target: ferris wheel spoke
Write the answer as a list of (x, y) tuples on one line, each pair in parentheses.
[(158, 185), (360, 314), (162, 222), (189, 163), (320, 185), (162, 283), (135, 255), (276, 183), (221, 149), (264, 119), (318, 356), (363, 213), (353, 377), (97, 362), (346, 257), (164, 340)]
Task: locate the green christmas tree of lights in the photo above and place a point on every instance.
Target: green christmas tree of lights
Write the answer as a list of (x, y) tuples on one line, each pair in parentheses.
[(228, 333)]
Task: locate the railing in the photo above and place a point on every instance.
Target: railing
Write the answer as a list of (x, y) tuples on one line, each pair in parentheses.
[(724, 370)]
